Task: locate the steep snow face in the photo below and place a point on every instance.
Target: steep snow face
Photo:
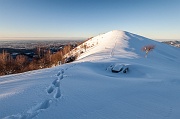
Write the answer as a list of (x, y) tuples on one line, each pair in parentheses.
[(88, 89)]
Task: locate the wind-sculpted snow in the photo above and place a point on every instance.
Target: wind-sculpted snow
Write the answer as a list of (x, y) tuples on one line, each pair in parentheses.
[(97, 86)]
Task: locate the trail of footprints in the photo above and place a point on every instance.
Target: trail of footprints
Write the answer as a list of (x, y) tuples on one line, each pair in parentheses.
[(35, 110), (55, 86)]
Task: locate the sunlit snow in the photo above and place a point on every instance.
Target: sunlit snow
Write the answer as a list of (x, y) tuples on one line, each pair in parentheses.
[(88, 89)]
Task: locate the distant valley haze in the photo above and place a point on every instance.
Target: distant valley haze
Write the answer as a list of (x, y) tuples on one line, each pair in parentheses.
[(40, 38)]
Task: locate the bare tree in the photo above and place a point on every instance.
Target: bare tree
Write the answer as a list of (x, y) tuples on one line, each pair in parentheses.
[(66, 49), (20, 63), (85, 47), (148, 48)]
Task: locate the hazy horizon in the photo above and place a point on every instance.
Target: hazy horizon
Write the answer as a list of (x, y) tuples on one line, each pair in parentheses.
[(41, 38), (62, 38)]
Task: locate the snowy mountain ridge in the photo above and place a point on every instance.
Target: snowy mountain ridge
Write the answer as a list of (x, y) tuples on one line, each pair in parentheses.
[(99, 43), (128, 45), (89, 89)]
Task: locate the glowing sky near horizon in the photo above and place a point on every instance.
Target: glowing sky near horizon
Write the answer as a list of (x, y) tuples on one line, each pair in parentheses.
[(156, 19)]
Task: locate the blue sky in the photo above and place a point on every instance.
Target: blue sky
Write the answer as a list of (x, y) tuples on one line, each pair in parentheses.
[(156, 19)]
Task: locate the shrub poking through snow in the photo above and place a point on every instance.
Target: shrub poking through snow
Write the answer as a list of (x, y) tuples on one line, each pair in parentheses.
[(148, 48)]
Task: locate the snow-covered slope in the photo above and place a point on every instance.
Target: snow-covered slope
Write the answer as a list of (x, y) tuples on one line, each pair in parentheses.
[(87, 88)]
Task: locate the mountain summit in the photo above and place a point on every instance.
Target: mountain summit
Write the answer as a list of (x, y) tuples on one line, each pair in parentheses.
[(121, 44), (110, 79)]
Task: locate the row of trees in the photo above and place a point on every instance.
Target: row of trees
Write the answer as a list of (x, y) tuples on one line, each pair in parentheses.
[(22, 63)]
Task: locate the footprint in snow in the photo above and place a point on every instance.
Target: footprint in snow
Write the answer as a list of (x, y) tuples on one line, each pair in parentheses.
[(45, 104), (41, 106), (62, 71), (60, 77), (34, 111), (58, 93), (18, 116), (57, 84), (50, 89), (54, 82), (58, 73)]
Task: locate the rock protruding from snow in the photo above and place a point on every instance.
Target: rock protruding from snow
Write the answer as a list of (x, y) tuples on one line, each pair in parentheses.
[(117, 68)]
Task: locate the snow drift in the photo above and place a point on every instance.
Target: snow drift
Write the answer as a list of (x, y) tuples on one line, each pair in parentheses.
[(88, 89)]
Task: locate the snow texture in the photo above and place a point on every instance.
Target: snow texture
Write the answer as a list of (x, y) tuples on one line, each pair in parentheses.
[(88, 89)]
